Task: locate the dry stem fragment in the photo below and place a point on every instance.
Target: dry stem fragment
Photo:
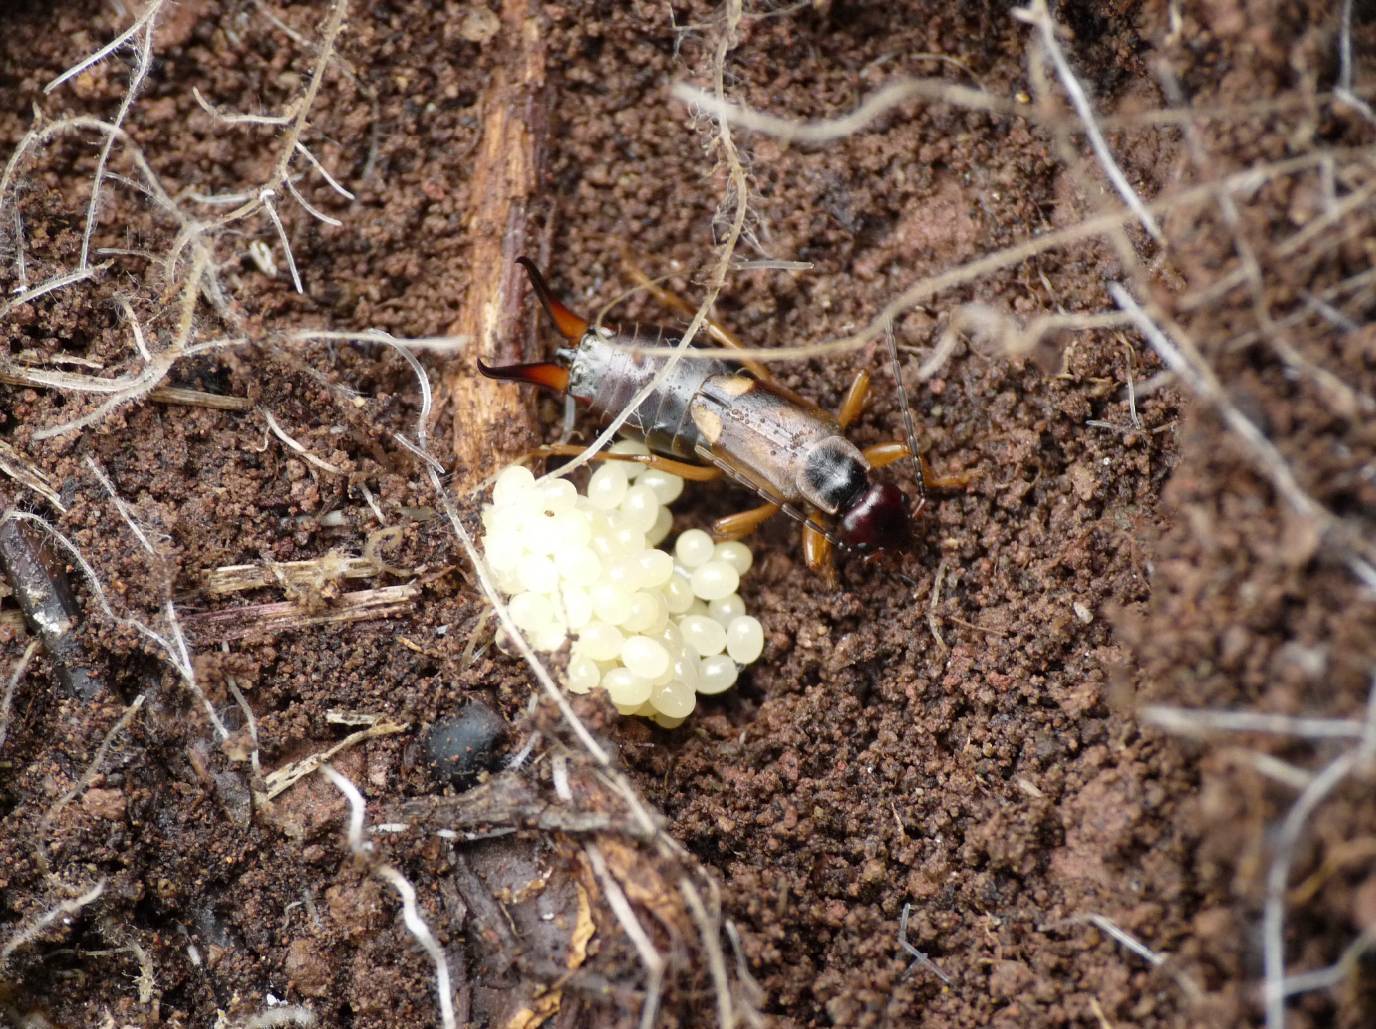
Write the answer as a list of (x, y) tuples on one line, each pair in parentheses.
[(278, 782), (313, 574), (506, 178), (21, 666), (236, 623)]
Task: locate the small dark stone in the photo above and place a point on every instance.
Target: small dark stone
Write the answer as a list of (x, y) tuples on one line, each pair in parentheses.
[(460, 747)]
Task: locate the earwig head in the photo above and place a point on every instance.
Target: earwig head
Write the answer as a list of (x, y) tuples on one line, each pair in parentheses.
[(570, 326), (876, 520)]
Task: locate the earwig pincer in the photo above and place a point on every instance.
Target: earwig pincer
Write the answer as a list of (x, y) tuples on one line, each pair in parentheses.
[(710, 417)]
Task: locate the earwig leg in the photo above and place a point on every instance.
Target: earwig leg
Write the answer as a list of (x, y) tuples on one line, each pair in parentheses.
[(944, 482), (855, 398), (684, 470), (817, 554), (882, 454), (738, 526)]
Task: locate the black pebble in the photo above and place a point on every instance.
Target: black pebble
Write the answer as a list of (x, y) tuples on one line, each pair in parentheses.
[(460, 747)]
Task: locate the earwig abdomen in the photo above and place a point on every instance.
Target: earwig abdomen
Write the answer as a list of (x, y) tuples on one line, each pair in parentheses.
[(605, 374)]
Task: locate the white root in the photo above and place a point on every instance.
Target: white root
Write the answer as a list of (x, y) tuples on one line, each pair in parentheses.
[(415, 923)]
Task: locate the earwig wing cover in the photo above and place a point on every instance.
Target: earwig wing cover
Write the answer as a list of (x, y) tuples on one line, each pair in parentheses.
[(734, 471)]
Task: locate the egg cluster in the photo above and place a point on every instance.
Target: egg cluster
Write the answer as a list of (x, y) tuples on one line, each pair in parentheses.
[(653, 629)]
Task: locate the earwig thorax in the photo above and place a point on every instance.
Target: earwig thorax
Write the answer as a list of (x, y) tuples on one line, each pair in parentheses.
[(833, 474)]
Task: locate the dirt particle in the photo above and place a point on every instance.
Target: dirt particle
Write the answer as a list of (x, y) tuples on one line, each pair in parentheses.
[(356, 908), (307, 969), (1083, 481), (479, 25), (1364, 905), (106, 804), (177, 25), (1007, 979)]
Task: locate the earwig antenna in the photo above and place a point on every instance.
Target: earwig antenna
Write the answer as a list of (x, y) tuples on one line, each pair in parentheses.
[(570, 326), (907, 419)]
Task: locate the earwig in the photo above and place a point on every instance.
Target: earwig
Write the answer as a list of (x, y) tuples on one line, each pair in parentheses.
[(712, 417)]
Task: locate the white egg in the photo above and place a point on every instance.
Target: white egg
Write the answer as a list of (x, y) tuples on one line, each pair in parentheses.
[(646, 657), (736, 554), (674, 699), (694, 547), (664, 522), (583, 674), (513, 483), (607, 486), (625, 688), (715, 579), (745, 639), (600, 641), (705, 635), (666, 485), (726, 608), (718, 675), (639, 508)]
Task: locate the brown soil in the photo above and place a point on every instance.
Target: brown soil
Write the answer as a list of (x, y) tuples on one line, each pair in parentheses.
[(971, 745)]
